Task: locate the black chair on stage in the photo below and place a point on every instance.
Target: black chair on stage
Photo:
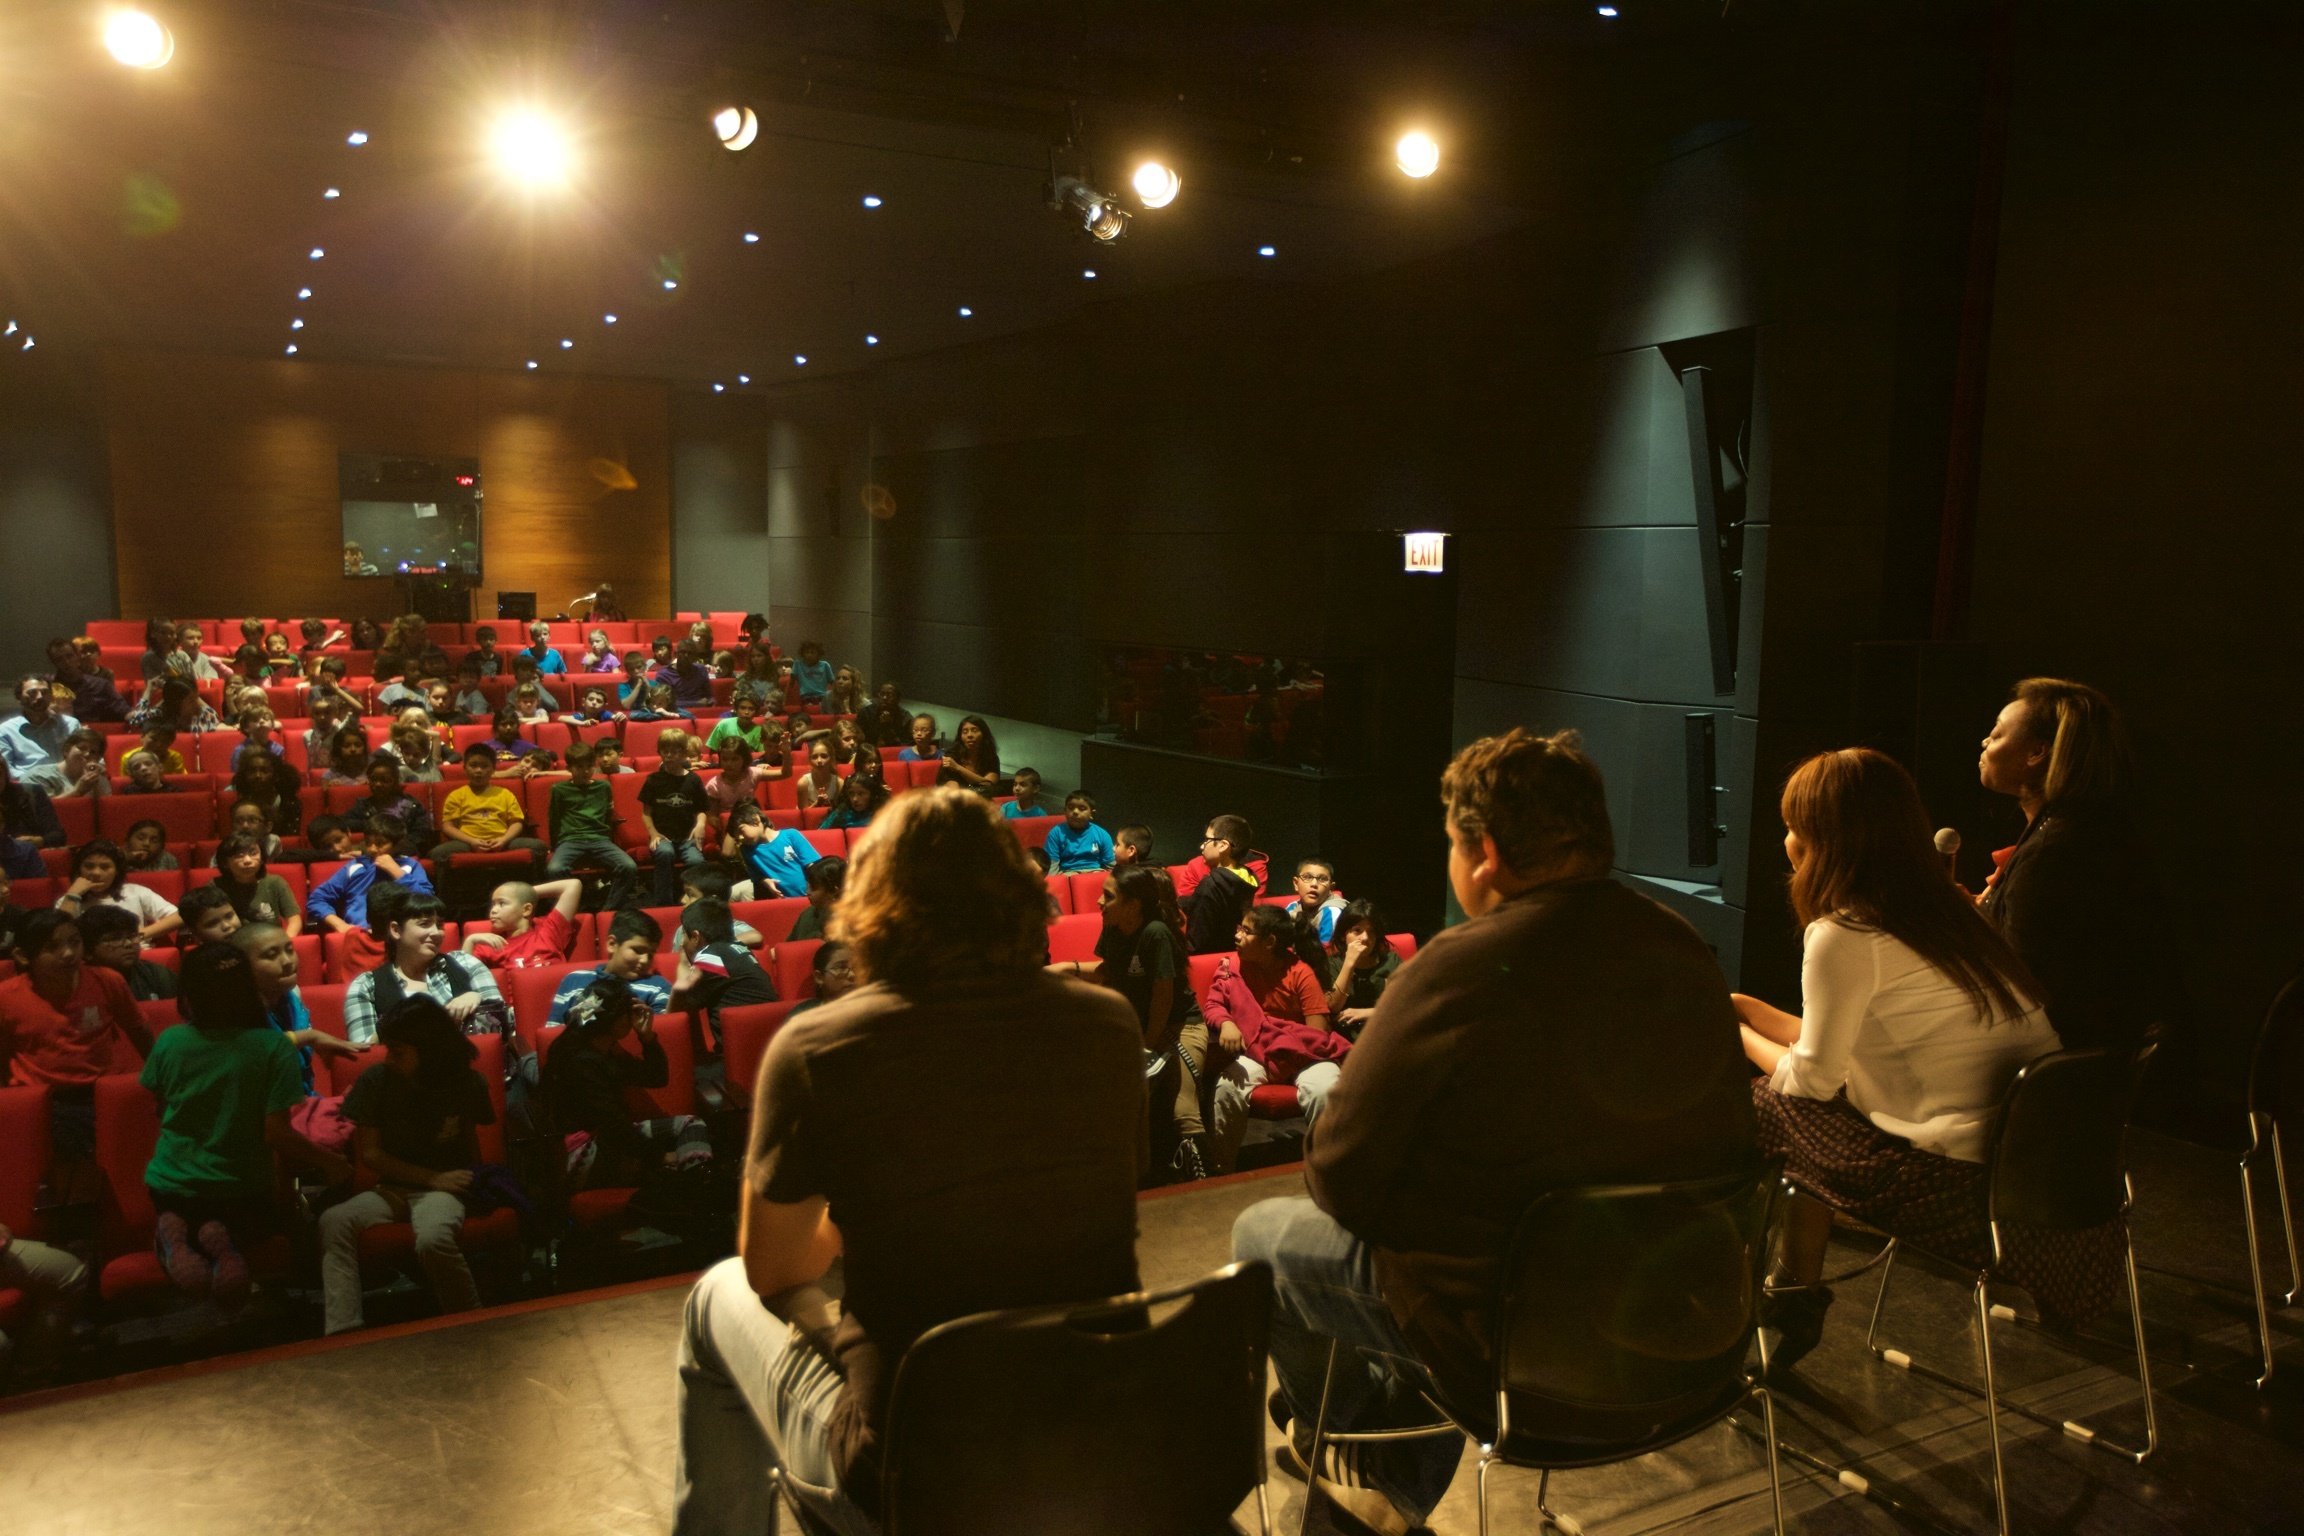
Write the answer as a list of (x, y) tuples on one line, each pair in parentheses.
[(1140, 1415), (2056, 1162), (1627, 1314), (2275, 1088)]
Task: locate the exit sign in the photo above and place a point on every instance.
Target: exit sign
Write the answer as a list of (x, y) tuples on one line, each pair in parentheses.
[(1424, 552)]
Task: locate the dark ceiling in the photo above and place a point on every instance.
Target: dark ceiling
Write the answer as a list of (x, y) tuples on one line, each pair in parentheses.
[(177, 208)]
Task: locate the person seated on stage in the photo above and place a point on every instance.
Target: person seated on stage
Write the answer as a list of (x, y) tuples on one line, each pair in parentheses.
[(715, 970), (528, 925), (1880, 1095), (549, 662), (735, 785), (1032, 1199), (1427, 1153), (827, 878), (1363, 963), (812, 674), (344, 902), (777, 860), (409, 931), (348, 754), (921, 743), (145, 847), (820, 785), (481, 816), (632, 941), (1213, 907), (741, 724), (1077, 846), (387, 797), (834, 972), (415, 1117), (241, 874), (225, 1084), (63, 1024), (1269, 1014), (861, 797), (1028, 801), (709, 884), (100, 878), (108, 935), (586, 1074)]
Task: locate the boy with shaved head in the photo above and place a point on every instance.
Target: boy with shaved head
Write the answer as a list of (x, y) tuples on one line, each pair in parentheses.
[(518, 938)]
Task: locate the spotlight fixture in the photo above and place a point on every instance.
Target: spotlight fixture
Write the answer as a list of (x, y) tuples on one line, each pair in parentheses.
[(670, 284), (137, 39), (743, 378), (799, 359), (871, 201), (1607, 12), (1099, 214), (718, 388), (11, 329), (356, 138), (29, 344), (531, 363), (1088, 273), (966, 312), (295, 325), (736, 126), (331, 194), (1156, 184), (1417, 154), (530, 148), (291, 349)]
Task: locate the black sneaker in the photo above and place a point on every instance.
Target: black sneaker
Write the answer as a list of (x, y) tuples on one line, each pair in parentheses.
[(1355, 1507)]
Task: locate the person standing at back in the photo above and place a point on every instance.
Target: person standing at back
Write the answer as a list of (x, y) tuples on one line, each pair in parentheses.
[(1569, 1032)]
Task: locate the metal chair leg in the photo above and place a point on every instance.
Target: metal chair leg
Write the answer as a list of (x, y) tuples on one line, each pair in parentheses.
[(1880, 1298), (1263, 1510), (1775, 1472), (2143, 1360), (1319, 1435), (1480, 1482), (2256, 1273), (1991, 1403)]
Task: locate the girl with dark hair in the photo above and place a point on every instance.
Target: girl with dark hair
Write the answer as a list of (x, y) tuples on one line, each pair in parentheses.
[(1140, 955), (265, 781), (348, 756), (1880, 1095), (100, 876), (258, 896), (586, 1073), (415, 1117), (2077, 896), (225, 1087), (974, 761), (159, 644), (145, 846), (860, 800), (1364, 962)]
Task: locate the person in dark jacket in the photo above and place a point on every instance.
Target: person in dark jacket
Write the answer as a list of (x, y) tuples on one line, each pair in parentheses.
[(2078, 898), (585, 1076), (1570, 1032), (1213, 911)]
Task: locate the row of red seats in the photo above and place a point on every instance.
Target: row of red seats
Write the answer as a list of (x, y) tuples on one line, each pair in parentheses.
[(211, 752), (286, 700), (511, 634)]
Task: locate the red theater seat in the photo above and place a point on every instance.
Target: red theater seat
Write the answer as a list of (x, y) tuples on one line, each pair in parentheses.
[(127, 1131), (395, 1242), (1074, 938), (1060, 887), (529, 993), (774, 919), (187, 817), (1087, 890), (744, 1036), (166, 883), (1031, 831), (322, 1000), (791, 965)]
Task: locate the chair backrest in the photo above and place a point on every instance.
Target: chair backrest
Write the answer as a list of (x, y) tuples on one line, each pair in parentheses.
[(127, 1133), (2276, 1065), (2058, 1152), (1129, 1415), (1628, 1308), (745, 1034), (24, 1155)]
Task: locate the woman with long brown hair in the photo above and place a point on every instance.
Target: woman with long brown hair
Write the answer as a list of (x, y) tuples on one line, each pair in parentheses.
[(1879, 1096)]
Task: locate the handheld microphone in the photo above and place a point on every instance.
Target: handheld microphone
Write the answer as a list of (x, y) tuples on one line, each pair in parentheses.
[(1948, 848)]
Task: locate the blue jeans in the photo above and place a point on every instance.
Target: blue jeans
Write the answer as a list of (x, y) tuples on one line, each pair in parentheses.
[(672, 858), (1323, 1289), (600, 852)]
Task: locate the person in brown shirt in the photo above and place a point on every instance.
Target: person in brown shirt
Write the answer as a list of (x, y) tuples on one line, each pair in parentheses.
[(892, 1133), (1570, 1032)]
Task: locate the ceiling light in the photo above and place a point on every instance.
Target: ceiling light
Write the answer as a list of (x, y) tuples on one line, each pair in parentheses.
[(737, 127), (531, 362), (317, 253), (871, 201), (566, 343), (871, 340), (1089, 273), (291, 349), (28, 345), (356, 138), (295, 325), (1267, 250), (743, 378), (331, 194), (11, 329), (718, 388), (965, 312), (1608, 11), (303, 293), (608, 319), (1099, 214), (530, 148), (751, 238), (1156, 185), (1417, 154), (136, 39), (799, 359), (670, 284)]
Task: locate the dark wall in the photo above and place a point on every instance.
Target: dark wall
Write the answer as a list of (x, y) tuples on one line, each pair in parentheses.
[(55, 514), (2139, 525)]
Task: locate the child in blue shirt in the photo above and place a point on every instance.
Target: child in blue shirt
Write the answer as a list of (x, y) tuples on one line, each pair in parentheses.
[(1027, 801), (340, 902), (780, 859), (923, 748), (812, 674), (1078, 846)]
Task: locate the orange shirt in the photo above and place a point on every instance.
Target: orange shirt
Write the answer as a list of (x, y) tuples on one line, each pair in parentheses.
[(70, 1046), (1288, 991)]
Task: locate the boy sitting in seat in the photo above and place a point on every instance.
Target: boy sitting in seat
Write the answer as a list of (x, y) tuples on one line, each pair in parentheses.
[(481, 816), (1028, 801), (1079, 846), (340, 902), (518, 937), (581, 819), (633, 938)]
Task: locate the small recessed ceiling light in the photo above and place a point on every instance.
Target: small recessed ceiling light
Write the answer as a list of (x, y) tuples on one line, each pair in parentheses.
[(1267, 250), (1088, 272), (871, 340), (303, 293), (871, 201), (331, 194), (295, 325), (566, 343), (531, 362), (317, 253), (743, 378), (291, 349), (965, 312), (356, 138), (751, 238), (11, 329), (718, 388), (1608, 11), (607, 319), (670, 284), (28, 345), (799, 359)]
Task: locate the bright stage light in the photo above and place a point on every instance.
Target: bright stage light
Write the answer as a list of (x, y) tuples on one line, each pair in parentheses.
[(530, 148), (736, 126), (1156, 185), (1417, 153), (136, 39)]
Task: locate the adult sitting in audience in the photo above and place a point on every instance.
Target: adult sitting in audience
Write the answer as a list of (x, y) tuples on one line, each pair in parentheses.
[(415, 1115), (63, 1024), (408, 927), (1570, 1032), (1213, 908), (100, 878), (1362, 963), (34, 739), (1032, 1197), (89, 690), (225, 1083), (632, 942), (885, 722), (2078, 898), (974, 761), (257, 895), (528, 925), (586, 1074), (28, 813), (109, 936), (1880, 1094)]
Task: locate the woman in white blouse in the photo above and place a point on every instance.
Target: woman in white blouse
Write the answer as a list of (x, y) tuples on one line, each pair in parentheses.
[(1880, 1095)]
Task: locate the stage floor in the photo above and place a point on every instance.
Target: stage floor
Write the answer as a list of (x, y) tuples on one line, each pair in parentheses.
[(555, 1417)]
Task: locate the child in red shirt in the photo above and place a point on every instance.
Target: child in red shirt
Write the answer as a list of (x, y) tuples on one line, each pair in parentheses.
[(518, 938), (64, 1024)]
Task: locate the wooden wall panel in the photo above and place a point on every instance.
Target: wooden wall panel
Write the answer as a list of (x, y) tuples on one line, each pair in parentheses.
[(224, 481)]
